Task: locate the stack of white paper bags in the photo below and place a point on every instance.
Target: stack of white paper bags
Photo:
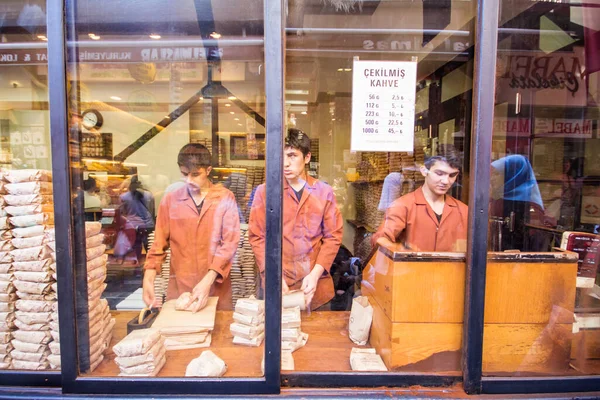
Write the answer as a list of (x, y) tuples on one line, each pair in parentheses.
[(141, 353), (292, 337), (7, 289), (101, 323), (248, 328), (28, 204)]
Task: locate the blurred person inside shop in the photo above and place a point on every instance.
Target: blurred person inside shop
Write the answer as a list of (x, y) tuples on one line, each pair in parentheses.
[(312, 226), (136, 222), (428, 219), (199, 223)]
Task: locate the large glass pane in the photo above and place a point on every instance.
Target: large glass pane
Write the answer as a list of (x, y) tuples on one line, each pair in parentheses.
[(28, 318), (168, 149), (542, 295), (383, 90)]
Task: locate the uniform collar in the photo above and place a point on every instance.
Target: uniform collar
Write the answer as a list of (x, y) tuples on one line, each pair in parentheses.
[(420, 198), (310, 182), (182, 193)]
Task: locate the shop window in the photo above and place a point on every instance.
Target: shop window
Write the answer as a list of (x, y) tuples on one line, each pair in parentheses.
[(541, 306), (167, 134), (383, 91)]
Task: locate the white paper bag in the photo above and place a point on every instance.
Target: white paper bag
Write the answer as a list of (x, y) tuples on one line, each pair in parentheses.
[(361, 318)]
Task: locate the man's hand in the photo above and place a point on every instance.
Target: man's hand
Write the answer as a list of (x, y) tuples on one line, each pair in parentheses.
[(148, 288), (201, 291), (284, 287), (310, 281)]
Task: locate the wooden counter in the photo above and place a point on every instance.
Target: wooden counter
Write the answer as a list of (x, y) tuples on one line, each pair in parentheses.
[(327, 350)]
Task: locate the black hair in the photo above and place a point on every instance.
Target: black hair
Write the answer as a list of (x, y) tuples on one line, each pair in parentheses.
[(89, 184), (194, 156), (298, 140), (450, 156)]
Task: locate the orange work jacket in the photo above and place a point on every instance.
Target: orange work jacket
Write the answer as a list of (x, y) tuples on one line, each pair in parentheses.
[(198, 242), (410, 220), (312, 234)]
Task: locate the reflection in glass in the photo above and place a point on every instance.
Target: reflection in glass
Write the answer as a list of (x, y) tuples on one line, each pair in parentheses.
[(543, 229)]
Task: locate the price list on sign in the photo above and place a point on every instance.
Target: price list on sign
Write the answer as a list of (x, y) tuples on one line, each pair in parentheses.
[(383, 105)]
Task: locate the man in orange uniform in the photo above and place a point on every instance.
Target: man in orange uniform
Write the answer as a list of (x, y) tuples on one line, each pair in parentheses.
[(200, 223), (312, 226), (428, 219)]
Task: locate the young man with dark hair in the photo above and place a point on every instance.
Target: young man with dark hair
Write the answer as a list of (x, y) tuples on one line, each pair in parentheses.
[(201, 225), (312, 226), (429, 219)]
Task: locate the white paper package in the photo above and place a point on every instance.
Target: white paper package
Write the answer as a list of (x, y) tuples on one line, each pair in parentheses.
[(94, 241), (6, 257), (254, 342), (33, 317), (37, 277), (253, 320), (31, 287), (137, 342), (246, 331), (34, 306), (6, 348), (207, 365), (32, 266), (250, 307), (6, 268), (28, 175), (153, 355), (23, 243), (92, 228), (23, 221), (32, 296), (28, 365), (17, 211), (7, 287), (290, 317), (153, 373), (5, 337), (31, 253), (7, 307), (31, 327), (366, 360), (6, 245), (54, 360), (24, 188), (29, 347), (37, 337), (7, 277), (27, 199), (30, 231)]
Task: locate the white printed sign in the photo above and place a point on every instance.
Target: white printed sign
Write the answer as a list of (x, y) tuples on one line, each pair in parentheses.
[(383, 105)]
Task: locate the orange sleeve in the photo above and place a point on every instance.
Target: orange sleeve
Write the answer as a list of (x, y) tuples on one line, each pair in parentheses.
[(333, 229), (393, 224), (256, 227), (229, 235)]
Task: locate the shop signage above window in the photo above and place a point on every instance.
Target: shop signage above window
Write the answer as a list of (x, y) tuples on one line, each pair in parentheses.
[(571, 128), (383, 105)]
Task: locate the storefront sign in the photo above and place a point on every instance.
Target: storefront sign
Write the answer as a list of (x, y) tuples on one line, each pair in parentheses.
[(512, 126), (541, 79), (383, 105), (571, 128), (127, 54)]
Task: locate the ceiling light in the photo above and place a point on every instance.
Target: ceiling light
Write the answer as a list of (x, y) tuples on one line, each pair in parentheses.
[(42, 37), (340, 69), (116, 98), (231, 97), (333, 119), (231, 112), (239, 124), (93, 36), (347, 69), (215, 35), (236, 119), (155, 36), (227, 105), (303, 113)]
